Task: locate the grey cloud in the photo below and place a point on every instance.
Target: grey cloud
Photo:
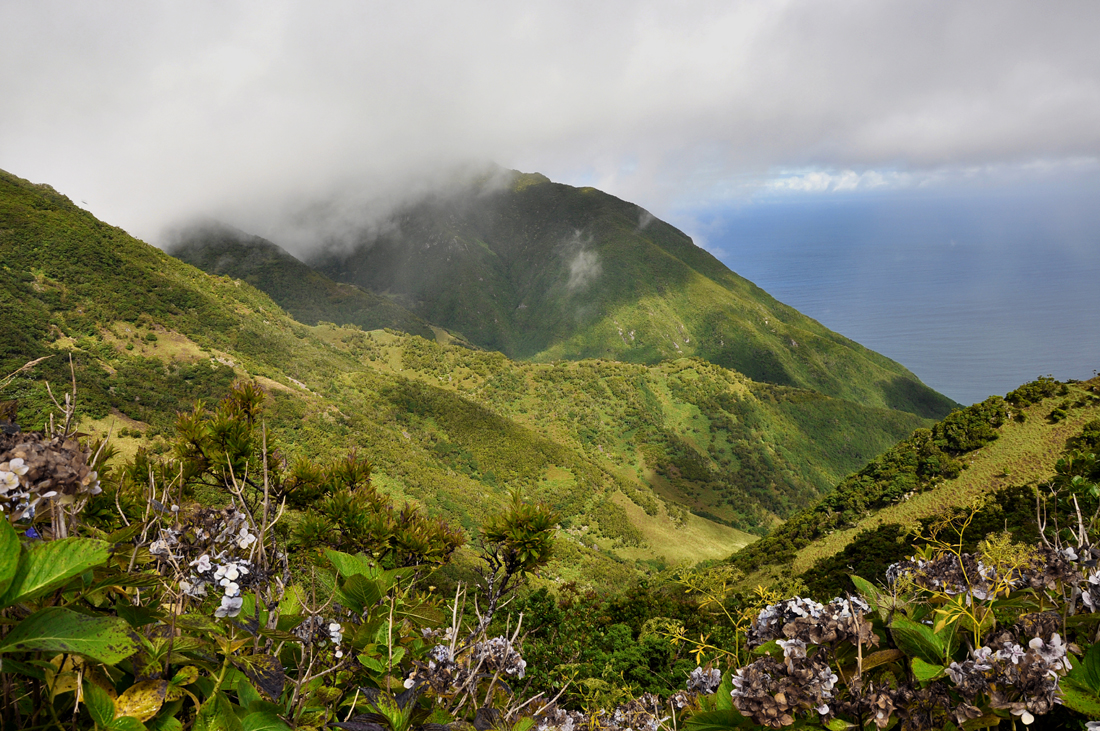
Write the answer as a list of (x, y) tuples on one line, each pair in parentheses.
[(254, 111)]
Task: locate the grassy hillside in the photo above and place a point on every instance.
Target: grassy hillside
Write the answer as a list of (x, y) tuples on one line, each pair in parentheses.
[(306, 295), (649, 465), (989, 456), (542, 271)]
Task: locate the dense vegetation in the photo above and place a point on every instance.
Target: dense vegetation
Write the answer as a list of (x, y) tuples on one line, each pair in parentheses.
[(648, 465)]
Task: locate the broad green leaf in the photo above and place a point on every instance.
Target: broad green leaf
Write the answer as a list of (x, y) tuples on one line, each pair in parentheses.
[(718, 721), (349, 565), (372, 663), (1078, 697), (56, 629), (881, 657), (7, 665), (9, 554), (867, 590), (925, 672), (100, 705), (263, 721), (360, 593), (1091, 663), (126, 723), (246, 694), (839, 724), (216, 714), (51, 564), (723, 701), (164, 723), (917, 640), (142, 700), (523, 724)]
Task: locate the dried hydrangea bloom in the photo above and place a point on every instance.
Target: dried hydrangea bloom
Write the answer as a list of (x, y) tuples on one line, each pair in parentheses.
[(811, 623), (704, 681), (498, 655), (34, 468), (772, 694)]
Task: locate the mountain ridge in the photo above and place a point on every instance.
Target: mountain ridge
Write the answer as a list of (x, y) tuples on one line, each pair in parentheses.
[(633, 456), (545, 271)]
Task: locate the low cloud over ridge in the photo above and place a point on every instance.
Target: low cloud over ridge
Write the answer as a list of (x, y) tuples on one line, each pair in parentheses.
[(150, 112)]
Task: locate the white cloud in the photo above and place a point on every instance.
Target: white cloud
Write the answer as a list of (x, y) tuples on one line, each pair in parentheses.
[(151, 110)]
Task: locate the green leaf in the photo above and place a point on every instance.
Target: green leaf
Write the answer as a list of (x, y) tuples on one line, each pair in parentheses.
[(917, 640), (718, 721), (52, 564), (867, 590), (100, 705), (126, 723), (164, 723), (523, 724), (359, 593), (926, 672), (263, 721), (1078, 697), (723, 701), (7, 665), (9, 554), (1091, 663), (839, 724), (348, 565), (216, 714), (881, 657), (372, 663), (246, 694), (56, 629)]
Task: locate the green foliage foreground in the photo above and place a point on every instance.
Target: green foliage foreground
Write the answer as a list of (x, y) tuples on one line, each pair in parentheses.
[(126, 605)]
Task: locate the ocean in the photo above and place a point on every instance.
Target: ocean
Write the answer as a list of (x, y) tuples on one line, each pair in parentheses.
[(975, 294)]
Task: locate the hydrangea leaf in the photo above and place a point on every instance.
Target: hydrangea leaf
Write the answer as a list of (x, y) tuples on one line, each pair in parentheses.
[(50, 565), (142, 700), (718, 721), (9, 554), (263, 721), (56, 629)]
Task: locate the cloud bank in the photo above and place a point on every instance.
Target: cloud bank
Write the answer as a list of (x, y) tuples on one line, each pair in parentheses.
[(253, 110)]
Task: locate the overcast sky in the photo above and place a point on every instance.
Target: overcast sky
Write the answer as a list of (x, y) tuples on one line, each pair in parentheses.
[(149, 111)]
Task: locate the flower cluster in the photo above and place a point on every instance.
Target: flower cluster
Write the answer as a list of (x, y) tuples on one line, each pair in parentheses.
[(1021, 680), (967, 574), (704, 681), (215, 546), (498, 656), (336, 634), (640, 714), (34, 468), (772, 693), (810, 622)]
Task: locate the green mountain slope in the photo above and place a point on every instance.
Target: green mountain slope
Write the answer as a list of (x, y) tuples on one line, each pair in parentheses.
[(989, 457), (632, 456), (543, 271), (308, 296)]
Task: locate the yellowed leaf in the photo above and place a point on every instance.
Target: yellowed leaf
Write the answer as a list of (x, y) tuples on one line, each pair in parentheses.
[(142, 700)]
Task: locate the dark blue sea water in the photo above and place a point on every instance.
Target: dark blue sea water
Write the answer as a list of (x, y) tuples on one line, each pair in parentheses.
[(975, 293)]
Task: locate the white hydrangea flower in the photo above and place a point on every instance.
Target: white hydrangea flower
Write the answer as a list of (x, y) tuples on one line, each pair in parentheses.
[(230, 607), (202, 563), (245, 539)]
